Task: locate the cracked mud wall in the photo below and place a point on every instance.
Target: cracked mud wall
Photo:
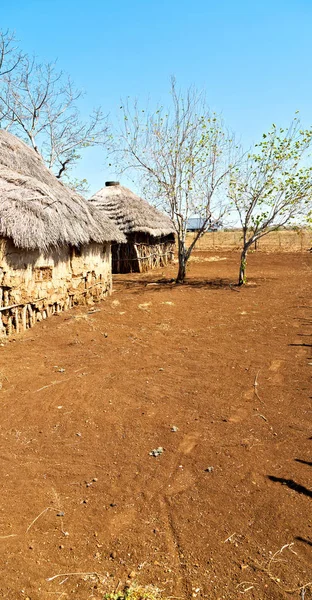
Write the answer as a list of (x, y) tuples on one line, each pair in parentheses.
[(34, 285)]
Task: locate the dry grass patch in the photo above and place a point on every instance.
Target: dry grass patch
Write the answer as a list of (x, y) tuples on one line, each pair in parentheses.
[(135, 592)]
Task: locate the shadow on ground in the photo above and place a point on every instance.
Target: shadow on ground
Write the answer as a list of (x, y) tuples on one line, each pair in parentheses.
[(161, 284), (301, 539), (304, 462), (290, 483)]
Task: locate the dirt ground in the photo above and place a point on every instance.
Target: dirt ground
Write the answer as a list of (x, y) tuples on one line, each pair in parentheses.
[(225, 510)]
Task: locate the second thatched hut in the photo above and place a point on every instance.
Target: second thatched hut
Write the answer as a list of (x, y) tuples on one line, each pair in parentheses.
[(149, 233)]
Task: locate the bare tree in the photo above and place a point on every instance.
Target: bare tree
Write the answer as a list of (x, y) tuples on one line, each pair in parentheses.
[(183, 158), (40, 105), (272, 186), (10, 55)]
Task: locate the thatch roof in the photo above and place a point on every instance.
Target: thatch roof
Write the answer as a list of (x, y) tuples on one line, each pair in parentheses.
[(130, 212), (37, 211)]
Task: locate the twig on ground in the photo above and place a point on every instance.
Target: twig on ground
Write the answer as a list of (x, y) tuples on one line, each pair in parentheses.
[(49, 384), (4, 537), (273, 558), (276, 580), (260, 415), (70, 574), (42, 513), (251, 586), (245, 583), (300, 589), (255, 385), (229, 538)]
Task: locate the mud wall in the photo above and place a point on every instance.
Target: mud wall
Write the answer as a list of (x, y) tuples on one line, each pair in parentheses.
[(34, 285)]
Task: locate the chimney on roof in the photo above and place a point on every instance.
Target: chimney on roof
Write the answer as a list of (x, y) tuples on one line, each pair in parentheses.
[(109, 183)]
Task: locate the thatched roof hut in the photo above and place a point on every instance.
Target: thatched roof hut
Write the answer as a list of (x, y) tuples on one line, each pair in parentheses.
[(37, 211), (150, 233), (55, 248)]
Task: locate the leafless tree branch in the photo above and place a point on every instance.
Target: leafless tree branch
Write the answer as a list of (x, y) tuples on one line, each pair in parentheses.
[(40, 104), (183, 156)]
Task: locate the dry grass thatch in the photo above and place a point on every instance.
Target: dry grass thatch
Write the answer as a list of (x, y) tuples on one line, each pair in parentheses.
[(37, 211), (130, 212)]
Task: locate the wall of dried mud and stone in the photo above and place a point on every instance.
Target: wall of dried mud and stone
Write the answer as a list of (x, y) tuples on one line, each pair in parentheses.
[(34, 285)]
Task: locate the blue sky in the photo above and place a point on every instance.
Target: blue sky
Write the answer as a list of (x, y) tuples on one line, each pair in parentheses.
[(253, 58)]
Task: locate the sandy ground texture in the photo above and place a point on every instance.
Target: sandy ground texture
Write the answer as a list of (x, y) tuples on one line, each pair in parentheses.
[(218, 378)]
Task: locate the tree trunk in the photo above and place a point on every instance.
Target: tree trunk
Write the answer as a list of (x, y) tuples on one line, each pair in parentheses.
[(182, 271), (182, 262), (242, 267)]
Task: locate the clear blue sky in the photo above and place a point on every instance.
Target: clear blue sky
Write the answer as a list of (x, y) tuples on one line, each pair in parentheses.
[(253, 58)]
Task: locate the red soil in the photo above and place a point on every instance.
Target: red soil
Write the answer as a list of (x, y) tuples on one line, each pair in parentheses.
[(231, 369)]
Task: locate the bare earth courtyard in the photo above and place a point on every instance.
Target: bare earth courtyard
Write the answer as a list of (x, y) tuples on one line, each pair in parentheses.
[(220, 379)]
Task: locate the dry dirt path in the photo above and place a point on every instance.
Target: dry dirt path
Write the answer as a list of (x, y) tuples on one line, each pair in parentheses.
[(86, 396)]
